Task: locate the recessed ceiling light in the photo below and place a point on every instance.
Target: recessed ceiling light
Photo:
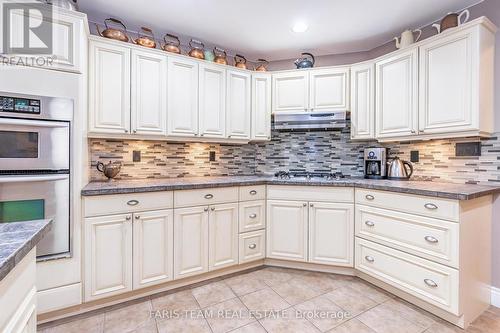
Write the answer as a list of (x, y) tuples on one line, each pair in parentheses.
[(300, 27)]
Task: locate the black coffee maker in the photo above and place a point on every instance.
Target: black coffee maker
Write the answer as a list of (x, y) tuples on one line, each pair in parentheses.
[(375, 163)]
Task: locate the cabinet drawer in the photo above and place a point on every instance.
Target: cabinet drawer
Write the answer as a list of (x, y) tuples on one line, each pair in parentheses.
[(206, 196), (127, 203), (252, 215), (310, 193), (440, 208), (252, 246), (424, 279), (257, 192), (433, 239)]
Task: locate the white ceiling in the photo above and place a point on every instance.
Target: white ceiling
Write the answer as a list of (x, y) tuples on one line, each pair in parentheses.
[(262, 28)]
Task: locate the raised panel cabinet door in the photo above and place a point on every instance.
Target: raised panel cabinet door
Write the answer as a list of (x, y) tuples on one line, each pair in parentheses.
[(149, 93), (109, 88), (363, 101), (153, 239), (108, 255), (182, 92), (287, 230), (261, 106), (212, 101), (396, 98), (191, 241), (290, 91), (238, 95), (223, 236), (329, 89), (331, 233), (448, 92)]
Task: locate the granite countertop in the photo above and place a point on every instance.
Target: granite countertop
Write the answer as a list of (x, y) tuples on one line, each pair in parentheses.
[(427, 188), (17, 239)]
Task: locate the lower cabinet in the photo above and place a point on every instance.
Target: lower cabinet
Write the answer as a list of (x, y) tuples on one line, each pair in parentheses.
[(252, 246), (223, 236)]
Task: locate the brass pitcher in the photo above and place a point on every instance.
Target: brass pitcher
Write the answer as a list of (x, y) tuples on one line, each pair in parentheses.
[(172, 44), (261, 67), (197, 49), (240, 61), (113, 33), (220, 56), (146, 38)]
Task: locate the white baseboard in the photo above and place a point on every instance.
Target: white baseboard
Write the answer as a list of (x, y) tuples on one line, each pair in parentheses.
[(495, 296)]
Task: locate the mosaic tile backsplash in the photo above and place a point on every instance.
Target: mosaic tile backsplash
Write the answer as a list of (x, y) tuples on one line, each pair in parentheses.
[(313, 151)]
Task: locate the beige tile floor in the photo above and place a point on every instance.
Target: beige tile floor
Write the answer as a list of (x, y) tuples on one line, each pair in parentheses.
[(271, 300)]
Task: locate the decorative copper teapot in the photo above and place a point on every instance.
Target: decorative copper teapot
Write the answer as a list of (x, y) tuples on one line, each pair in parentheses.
[(452, 20), (113, 33), (240, 61), (197, 49), (220, 56), (146, 38), (261, 67), (172, 44)]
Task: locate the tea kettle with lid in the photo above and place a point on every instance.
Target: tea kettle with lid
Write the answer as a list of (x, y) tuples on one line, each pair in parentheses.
[(398, 169)]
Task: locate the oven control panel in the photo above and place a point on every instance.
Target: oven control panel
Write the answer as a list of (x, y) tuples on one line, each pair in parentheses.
[(19, 105)]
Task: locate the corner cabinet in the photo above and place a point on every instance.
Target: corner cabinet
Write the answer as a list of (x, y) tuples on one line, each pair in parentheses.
[(238, 104), (363, 101)]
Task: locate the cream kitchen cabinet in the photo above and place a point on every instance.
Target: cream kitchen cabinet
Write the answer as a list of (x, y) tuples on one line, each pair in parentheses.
[(329, 89), (148, 98), (396, 99), (261, 107), (223, 236), (182, 92), (238, 105), (109, 88), (363, 101), (212, 101), (290, 91)]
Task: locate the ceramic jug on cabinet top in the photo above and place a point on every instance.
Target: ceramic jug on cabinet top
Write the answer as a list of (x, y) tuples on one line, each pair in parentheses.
[(407, 38)]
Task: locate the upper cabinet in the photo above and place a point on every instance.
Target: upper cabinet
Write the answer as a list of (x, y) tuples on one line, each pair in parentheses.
[(238, 104), (261, 106), (396, 94), (314, 90), (212, 102), (363, 101)]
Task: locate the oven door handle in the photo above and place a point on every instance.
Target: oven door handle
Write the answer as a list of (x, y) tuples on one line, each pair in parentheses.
[(32, 122), (32, 178)]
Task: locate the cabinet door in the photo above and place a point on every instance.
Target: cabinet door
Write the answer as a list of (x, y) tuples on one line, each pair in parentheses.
[(291, 91), (363, 101), (108, 255), (149, 93), (287, 230), (212, 101), (329, 89), (396, 95), (223, 231), (182, 111), (261, 107), (191, 241), (331, 233), (238, 104), (109, 88), (447, 87), (153, 247)]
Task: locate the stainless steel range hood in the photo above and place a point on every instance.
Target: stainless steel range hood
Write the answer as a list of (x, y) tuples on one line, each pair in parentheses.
[(301, 122)]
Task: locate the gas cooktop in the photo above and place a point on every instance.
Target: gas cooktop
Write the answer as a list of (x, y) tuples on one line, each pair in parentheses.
[(310, 175)]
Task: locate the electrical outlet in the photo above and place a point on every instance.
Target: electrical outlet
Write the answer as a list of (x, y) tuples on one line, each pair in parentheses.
[(211, 156), (414, 156), (136, 155)]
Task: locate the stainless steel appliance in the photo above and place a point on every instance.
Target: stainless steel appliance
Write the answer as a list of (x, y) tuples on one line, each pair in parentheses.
[(375, 163), (301, 122), (35, 175), (398, 169)]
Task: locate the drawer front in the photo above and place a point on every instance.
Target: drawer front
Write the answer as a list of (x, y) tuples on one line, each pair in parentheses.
[(432, 239), (310, 193), (127, 203), (252, 215), (424, 279), (446, 209), (252, 246), (257, 192), (208, 196)]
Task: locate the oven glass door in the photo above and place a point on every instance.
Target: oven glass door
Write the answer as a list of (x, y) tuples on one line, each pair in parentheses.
[(24, 198), (34, 144)]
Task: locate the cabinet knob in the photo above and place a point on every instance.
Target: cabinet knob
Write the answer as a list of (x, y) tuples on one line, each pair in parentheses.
[(369, 259), (431, 239), (311, 205), (205, 209), (135, 131), (430, 283), (430, 206), (252, 246), (132, 202), (253, 192), (201, 134), (369, 197), (212, 209), (304, 204), (413, 131), (128, 217), (137, 217), (252, 216), (369, 223), (209, 196), (229, 136)]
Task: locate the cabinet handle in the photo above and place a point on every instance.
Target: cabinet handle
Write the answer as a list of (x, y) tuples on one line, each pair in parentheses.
[(369, 259), (212, 209), (252, 216), (137, 217), (209, 196), (369, 197), (431, 239), (369, 223), (132, 202), (430, 283), (304, 204), (430, 206), (128, 217), (205, 209), (252, 246), (253, 192)]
